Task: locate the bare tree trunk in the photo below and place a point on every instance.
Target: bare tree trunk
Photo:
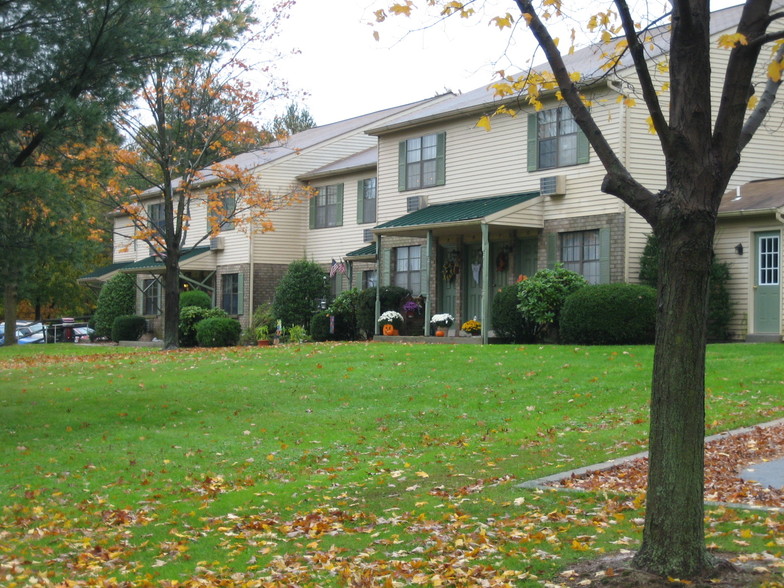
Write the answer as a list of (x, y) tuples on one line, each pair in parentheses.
[(674, 538), (9, 303), (171, 305)]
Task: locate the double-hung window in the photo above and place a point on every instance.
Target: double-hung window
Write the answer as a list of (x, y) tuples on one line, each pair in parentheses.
[(221, 212), (555, 140), (408, 266), (581, 252), (156, 222), (422, 162), (366, 201), (326, 207), (151, 297), (230, 293)]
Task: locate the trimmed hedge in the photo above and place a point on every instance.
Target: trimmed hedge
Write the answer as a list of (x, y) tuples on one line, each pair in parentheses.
[(218, 332), (128, 327), (609, 314), (319, 326), (190, 317), (542, 297), (195, 298), (507, 320), (117, 298)]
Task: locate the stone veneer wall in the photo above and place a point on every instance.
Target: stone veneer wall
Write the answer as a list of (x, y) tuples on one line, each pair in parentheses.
[(615, 222)]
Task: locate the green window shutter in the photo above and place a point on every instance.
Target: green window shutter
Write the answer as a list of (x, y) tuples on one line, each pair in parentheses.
[(313, 211), (552, 250), (360, 202), (604, 256), (339, 217), (401, 167), (440, 159), (533, 142), (240, 293), (583, 147), (386, 268)]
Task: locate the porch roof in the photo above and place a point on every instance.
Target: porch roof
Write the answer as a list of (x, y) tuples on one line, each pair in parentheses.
[(102, 274), (479, 210), (196, 259), (368, 251), (756, 197)]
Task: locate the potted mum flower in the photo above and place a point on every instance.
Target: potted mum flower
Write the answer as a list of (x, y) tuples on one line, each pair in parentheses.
[(390, 322), (440, 322), (472, 327)]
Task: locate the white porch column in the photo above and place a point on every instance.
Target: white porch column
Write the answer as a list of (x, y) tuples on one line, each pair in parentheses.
[(485, 282)]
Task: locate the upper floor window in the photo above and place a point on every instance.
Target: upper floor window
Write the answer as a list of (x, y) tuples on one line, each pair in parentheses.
[(422, 162), (156, 221), (326, 207), (366, 201), (555, 140), (221, 212)]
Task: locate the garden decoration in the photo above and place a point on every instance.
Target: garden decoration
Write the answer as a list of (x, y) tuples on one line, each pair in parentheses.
[(390, 322), (442, 321), (472, 327)]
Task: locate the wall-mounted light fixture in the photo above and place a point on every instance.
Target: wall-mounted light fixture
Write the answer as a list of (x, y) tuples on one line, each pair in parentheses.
[(739, 248)]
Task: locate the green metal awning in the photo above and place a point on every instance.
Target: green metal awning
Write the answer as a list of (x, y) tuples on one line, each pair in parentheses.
[(197, 258), (367, 251), (462, 212), (104, 273)]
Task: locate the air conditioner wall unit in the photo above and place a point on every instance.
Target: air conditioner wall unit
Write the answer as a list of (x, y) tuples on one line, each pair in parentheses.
[(414, 203), (216, 244), (552, 185), (367, 235)]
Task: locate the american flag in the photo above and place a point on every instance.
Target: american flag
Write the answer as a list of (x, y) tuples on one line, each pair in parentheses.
[(337, 267)]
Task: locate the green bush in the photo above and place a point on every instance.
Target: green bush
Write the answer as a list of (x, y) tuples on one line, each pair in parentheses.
[(507, 320), (195, 298), (117, 298), (392, 298), (542, 296), (319, 326), (128, 327), (609, 314), (190, 316), (218, 332), (298, 292), (719, 303), (345, 309)]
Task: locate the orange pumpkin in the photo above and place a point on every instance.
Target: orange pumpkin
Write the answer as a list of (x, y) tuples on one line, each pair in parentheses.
[(389, 330)]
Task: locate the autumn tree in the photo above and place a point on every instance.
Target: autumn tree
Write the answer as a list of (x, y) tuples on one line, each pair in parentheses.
[(66, 67), (201, 112), (701, 137)]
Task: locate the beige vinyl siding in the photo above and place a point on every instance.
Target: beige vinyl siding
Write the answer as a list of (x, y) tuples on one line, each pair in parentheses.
[(481, 164), (123, 244), (324, 245)]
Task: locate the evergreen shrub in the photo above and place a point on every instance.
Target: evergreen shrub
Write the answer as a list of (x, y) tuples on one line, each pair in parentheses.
[(128, 327), (190, 316), (345, 309), (218, 332), (117, 298), (507, 320), (195, 298), (609, 314), (298, 292), (542, 296), (319, 326)]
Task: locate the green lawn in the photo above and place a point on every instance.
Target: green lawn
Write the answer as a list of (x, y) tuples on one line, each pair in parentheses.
[(336, 464)]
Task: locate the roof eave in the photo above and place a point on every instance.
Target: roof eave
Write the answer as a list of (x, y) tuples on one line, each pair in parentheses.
[(307, 177)]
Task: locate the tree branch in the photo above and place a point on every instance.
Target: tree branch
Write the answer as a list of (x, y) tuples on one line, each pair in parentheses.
[(643, 73), (619, 182), (763, 107)]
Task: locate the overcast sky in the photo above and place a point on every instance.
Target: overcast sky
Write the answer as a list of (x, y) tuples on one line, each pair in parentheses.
[(346, 72)]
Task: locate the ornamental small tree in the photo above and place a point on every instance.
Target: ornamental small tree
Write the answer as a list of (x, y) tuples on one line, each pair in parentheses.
[(117, 298), (543, 295), (296, 296)]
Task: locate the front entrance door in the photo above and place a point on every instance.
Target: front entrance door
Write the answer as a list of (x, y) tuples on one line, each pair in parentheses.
[(767, 282), (473, 282)]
